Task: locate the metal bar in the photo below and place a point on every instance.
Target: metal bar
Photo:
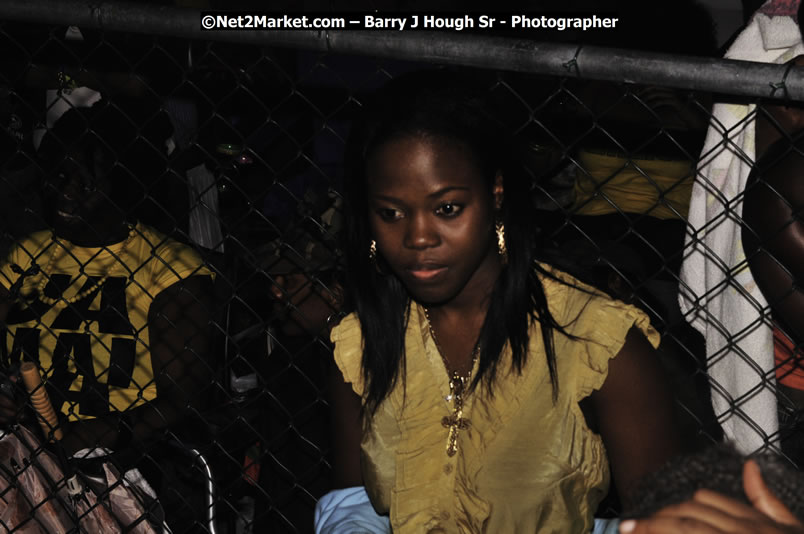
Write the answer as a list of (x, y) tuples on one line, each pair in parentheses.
[(210, 490), (701, 74)]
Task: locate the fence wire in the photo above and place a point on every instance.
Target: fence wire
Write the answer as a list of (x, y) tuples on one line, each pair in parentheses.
[(172, 255)]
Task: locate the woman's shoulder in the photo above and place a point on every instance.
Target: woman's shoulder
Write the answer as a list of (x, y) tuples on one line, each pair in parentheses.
[(582, 309), (347, 338), (565, 288), (347, 330)]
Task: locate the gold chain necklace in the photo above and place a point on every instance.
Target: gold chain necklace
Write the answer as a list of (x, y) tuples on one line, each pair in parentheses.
[(61, 301), (457, 388)]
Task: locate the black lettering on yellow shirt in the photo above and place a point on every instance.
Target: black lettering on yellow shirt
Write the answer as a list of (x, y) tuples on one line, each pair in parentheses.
[(94, 352)]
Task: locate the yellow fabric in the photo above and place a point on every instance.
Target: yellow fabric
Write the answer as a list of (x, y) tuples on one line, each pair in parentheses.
[(524, 465), (97, 347), (603, 181)]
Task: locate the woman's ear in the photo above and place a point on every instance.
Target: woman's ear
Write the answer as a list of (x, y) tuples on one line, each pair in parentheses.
[(498, 191)]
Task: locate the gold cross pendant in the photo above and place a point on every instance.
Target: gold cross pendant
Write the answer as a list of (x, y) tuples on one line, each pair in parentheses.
[(455, 422)]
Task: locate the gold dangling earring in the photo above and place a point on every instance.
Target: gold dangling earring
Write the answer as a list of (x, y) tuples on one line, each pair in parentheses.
[(373, 251), (502, 250)]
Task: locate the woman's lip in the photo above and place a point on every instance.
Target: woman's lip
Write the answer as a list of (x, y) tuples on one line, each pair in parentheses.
[(426, 273)]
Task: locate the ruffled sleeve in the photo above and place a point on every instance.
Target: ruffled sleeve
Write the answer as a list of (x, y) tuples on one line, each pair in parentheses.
[(611, 320), (600, 323), (348, 340)]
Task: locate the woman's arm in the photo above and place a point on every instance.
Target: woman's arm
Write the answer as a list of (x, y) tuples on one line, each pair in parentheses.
[(636, 414), (347, 509), (346, 431)]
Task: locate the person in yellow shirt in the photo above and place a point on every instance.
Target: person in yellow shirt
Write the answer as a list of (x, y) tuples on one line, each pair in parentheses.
[(114, 313)]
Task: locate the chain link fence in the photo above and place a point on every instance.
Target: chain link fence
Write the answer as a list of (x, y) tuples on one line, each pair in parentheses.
[(172, 251)]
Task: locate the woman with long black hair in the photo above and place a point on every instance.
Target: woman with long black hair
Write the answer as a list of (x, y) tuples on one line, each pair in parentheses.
[(477, 389)]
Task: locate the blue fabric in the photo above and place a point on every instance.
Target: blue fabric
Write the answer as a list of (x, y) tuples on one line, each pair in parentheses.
[(606, 526), (349, 511)]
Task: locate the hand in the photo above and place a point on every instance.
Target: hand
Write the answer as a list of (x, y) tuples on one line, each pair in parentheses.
[(712, 513), (764, 500)]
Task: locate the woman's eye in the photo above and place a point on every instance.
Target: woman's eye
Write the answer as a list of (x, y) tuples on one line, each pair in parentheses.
[(449, 209), (389, 214)]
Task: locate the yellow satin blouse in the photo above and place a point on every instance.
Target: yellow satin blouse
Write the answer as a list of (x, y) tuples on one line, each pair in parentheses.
[(524, 464)]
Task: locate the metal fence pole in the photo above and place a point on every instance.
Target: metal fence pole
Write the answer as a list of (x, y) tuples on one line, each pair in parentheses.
[(594, 63)]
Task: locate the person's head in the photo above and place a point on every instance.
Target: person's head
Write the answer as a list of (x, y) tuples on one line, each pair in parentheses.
[(92, 160), (427, 181), (430, 174), (718, 468)]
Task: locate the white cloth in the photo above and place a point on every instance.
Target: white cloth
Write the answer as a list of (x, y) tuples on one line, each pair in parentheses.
[(718, 294), (132, 477), (205, 222), (58, 102)]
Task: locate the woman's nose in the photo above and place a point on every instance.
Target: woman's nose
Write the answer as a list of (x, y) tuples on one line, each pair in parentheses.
[(420, 233)]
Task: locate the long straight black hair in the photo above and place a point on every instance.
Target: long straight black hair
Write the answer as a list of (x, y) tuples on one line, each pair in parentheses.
[(453, 108)]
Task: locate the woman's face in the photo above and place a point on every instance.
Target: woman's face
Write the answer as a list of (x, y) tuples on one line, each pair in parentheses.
[(432, 214)]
